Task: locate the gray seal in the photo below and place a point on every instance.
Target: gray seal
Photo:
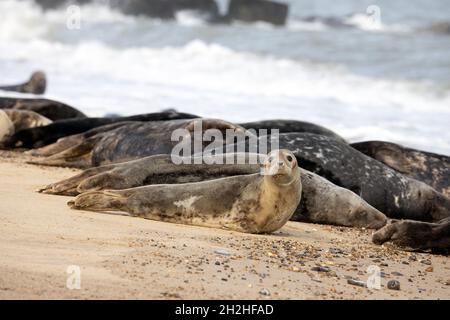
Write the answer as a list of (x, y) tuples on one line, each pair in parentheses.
[(253, 203), (430, 168)]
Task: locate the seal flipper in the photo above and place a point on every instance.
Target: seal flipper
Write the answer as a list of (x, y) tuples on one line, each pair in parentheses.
[(107, 200), (68, 187), (416, 235), (79, 156)]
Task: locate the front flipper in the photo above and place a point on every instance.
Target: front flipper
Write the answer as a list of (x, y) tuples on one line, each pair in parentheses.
[(415, 235)]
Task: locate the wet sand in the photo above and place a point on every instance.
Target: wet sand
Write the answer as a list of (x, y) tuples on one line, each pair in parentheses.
[(121, 257)]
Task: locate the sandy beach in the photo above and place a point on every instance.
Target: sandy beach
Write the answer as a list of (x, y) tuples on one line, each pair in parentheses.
[(121, 257)]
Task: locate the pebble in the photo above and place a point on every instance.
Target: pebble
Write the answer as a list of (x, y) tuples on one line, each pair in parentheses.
[(264, 292), (393, 285), (321, 269), (358, 283), (396, 273), (427, 262), (222, 252)]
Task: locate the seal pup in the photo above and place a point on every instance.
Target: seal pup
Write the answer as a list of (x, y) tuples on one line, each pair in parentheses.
[(42, 136), (54, 110), (35, 85), (287, 126), (415, 235), (137, 140), (255, 203), (322, 201), (430, 168), (6, 126)]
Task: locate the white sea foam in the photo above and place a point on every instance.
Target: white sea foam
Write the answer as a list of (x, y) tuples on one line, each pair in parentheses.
[(100, 76)]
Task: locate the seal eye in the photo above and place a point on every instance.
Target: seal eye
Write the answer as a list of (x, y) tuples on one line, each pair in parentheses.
[(270, 159), (289, 158)]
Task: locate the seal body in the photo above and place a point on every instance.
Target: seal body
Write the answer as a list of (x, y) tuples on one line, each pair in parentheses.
[(53, 110), (252, 203), (322, 201), (36, 85), (387, 190), (288, 126), (39, 137), (430, 168), (140, 139)]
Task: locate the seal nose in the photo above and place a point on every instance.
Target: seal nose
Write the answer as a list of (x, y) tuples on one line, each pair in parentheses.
[(280, 163)]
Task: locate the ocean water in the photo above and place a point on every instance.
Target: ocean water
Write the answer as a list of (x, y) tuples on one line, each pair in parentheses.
[(385, 77)]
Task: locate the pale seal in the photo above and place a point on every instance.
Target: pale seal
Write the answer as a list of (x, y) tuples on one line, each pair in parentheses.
[(6, 126), (254, 203), (23, 119)]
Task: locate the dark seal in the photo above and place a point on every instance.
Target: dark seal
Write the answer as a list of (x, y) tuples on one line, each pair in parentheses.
[(430, 168), (36, 85)]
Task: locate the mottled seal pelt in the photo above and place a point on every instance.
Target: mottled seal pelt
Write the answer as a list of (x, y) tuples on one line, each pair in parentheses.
[(136, 140), (39, 137), (254, 203), (288, 126), (54, 110), (431, 168), (322, 201), (35, 85), (394, 194)]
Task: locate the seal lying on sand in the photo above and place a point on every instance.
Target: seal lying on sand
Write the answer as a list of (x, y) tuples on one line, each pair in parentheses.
[(287, 126), (322, 201), (252, 203), (23, 119), (416, 235), (431, 168), (39, 137), (51, 109), (136, 140), (6, 126), (36, 85)]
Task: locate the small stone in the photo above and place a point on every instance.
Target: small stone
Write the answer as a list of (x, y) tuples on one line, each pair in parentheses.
[(398, 274), (336, 251), (222, 252), (412, 258), (264, 292), (427, 262), (393, 285), (321, 269), (358, 283), (429, 269), (224, 279)]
